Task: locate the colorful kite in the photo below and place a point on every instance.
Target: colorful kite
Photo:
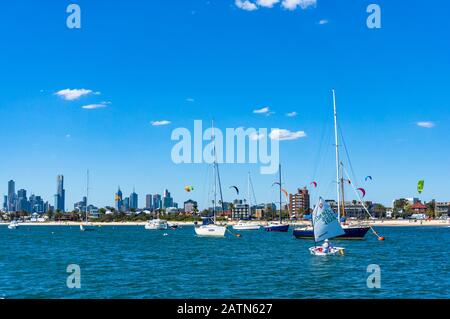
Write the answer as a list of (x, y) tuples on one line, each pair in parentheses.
[(363, 192), (189, 188), (420, 185), (314, 184), (368, 177)]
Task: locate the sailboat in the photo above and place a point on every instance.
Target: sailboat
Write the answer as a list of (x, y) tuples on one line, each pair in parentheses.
[(350, 232), (245, 225), (278, 226), (326, 226), (13, 225), (87, 226), (209, 228)]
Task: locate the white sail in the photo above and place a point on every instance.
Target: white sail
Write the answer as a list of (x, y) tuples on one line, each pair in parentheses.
[(326, 224)]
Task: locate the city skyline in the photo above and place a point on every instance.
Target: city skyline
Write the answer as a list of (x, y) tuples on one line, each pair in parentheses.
[(84, 105)]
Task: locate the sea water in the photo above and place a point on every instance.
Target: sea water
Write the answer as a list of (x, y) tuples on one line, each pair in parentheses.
[(131, 262)]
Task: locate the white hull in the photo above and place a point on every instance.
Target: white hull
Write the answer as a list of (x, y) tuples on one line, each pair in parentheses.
[(86, 227), (156, 224), (13, 226), (210, 230), (244, 226), (318, 251)]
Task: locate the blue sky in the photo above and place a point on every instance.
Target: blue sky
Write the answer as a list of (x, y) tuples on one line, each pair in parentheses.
[(160, 60)]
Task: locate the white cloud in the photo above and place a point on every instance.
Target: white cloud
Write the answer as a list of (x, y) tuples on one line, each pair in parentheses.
[(246, 5), (267, 3), (160, 123), (96, 106), (74, 94), (323, 21), (426, 124), (256, 136), (293, 4), (286, 135), (291, 114), (264, 110)]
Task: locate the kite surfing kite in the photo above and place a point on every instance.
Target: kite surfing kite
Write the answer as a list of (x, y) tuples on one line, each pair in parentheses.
[(420, 186), (236, 189), (189, 188), (367, 178), (314, 184), (363, 192)]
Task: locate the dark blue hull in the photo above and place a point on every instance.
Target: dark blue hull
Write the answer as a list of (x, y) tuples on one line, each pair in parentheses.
[(350, 233), (277, 228)]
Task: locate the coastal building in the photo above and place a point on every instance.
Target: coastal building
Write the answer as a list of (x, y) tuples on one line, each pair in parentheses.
[(419, 208), (11, 196), (5, 203), (36, 204), (442, 209), (353, 209), (157, 202), (22, 201), (190, 206), (172, 210), (134, 201), (60, 196), (240, 210), (167, 199), (299, 203), (126, 204), (118, 200), (148, 202), (80, 206)]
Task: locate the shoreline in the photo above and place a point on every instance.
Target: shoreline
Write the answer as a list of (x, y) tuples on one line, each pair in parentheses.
[(376, 223)]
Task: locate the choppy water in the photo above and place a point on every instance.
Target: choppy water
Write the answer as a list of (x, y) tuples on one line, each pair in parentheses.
[(131, 262)]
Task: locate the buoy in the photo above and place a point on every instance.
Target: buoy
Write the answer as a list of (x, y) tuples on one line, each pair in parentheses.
[(380, 238), (238, 235)]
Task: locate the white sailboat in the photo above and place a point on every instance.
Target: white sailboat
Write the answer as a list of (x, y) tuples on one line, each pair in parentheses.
[(326, 226), (209, 228), (86, 226), (156, 224), (246, 225)]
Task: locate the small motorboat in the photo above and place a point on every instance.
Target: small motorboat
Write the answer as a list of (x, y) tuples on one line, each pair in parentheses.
[(241, 225), (172, 225), (277, 227), (13, 225), (156, 224), (87, 227)]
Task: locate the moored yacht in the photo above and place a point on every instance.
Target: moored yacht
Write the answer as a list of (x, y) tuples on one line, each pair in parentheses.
[(156, 224)]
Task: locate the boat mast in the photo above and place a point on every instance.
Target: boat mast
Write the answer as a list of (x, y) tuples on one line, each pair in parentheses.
[(337, 156), (279, 177), (214, 173), (342, 191), (87, 194)]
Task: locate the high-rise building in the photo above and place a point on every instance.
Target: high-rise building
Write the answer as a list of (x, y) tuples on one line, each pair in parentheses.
[(157, 203), (118, 200), (240, 210), (167, 199), (81, 206), (126, 204), (134, 200), (22, 201), (190, 206), (60, 197), (148, 201), (299, 202), (11, 196)]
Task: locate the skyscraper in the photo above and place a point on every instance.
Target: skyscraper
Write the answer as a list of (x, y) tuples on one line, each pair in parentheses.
[(60, 197), (22, 201), (118, 200), (157, 202), (11, 196), (167, 199), (134, 200), (148, 201), (5, 203)]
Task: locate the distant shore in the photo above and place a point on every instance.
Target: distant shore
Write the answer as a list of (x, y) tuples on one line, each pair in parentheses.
[(386, 222)]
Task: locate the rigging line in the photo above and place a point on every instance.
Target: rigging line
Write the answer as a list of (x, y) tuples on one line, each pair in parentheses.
[(348, 158)]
